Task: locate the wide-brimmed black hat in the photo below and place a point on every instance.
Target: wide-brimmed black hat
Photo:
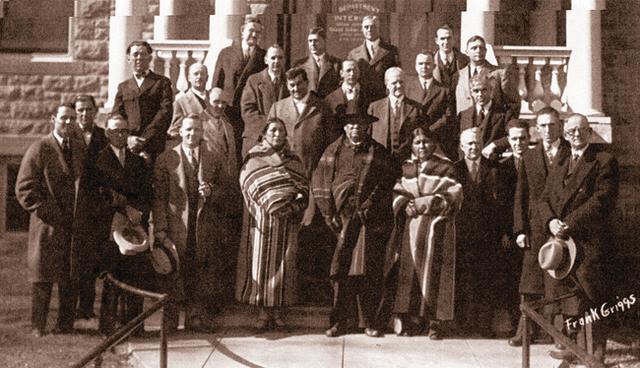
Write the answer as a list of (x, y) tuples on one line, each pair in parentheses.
[(353, 113)]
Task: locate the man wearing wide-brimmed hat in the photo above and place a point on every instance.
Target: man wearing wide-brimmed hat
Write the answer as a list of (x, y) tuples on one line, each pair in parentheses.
[(352, 188), (579, 196)]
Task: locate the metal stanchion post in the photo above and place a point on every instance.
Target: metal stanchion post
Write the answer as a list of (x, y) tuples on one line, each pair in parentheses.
[(525, 341), (163, 339)]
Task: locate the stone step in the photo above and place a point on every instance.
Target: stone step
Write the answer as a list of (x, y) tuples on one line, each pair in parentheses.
[(244, 316)]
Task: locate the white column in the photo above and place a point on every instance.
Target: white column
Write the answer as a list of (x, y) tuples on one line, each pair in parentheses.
[(166, 25), (224, 27), (584, 79), (125, 26), (479, 19)]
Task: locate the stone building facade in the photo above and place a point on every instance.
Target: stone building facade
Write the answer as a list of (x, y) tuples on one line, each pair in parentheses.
[(32, 84)]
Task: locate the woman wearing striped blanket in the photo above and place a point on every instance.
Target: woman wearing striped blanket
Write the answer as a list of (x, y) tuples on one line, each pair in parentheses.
[(275, 192), (420, 264)]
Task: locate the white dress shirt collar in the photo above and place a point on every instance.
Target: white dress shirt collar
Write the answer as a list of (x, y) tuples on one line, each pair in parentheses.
[(553, 147), (428, 81), (393, 99), (58, 138), (486, 108), (202, 95), (579, 152), (140, 80)]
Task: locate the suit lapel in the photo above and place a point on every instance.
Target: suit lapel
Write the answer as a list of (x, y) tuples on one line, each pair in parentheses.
[(432, 92), (326, 65), (381, 52), (582, 169), (147, 83)]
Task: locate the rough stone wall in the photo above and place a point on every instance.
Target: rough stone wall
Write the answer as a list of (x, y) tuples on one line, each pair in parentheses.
[(28, 97)]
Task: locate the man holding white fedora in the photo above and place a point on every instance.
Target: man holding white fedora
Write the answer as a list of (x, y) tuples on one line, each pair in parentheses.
[(578, 198), (125, 186)]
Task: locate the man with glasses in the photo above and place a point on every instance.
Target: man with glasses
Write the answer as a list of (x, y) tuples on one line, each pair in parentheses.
[(577, 201), (46, 187), (125, 186)]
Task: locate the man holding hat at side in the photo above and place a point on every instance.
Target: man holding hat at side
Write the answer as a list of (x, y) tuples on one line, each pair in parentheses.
[(352, 188), (193, 195), (579, 196), (125, 187)]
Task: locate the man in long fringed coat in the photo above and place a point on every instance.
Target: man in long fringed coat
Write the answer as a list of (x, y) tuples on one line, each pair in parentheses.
[(420, 264), (352, 188)]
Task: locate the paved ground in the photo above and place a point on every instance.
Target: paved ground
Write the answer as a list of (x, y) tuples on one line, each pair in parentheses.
[(312, 349)]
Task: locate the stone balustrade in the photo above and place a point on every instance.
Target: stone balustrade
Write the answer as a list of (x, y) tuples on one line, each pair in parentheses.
[(542, 74), (173, 57)]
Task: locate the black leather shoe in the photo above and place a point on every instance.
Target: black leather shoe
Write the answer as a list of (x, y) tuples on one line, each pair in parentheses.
[(372, 332), (434, 334), (36, 332)]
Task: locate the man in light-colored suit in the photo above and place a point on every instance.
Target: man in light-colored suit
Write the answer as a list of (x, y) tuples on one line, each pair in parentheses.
[(504, 82), (397, 115), (146, 102), (308, 119), (374, 57), (46, 187), (189, 208), (217, 127), (261, 91), (323, 70)]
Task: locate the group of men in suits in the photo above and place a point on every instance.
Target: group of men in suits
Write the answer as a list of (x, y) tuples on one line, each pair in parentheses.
[(463, 100)]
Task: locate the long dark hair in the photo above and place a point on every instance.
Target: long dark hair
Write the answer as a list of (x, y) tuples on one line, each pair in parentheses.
[(269, 122)]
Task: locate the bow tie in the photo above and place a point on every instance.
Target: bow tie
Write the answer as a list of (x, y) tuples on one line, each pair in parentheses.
[(140, 75)]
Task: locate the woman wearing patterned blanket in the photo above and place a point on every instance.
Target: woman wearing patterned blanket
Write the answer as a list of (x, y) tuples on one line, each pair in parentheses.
[(275, 192), (421, 258)]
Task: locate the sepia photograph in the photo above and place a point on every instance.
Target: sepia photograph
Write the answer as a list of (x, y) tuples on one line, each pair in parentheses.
[(319, 183)]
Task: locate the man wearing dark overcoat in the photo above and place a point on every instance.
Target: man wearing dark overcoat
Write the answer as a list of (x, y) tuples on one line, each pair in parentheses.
[(528, 232), (509, 265), (477, 237), (352, 187), (192, 198), (448, 59), (374, 57), (261, 91), (436, 104), (146, 102), (323, 70), (46, 186), (235, 64), (577, 200), (88, 215), (125, 186), (397, 116), (485, 114), (349, 90)]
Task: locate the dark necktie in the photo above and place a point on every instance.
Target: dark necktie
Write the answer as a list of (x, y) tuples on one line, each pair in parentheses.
[(67, 154), (480, 117)]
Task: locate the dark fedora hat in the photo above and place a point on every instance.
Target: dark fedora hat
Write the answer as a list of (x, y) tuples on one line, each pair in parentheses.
[(164, 257), (557, 257), (353, 113)]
